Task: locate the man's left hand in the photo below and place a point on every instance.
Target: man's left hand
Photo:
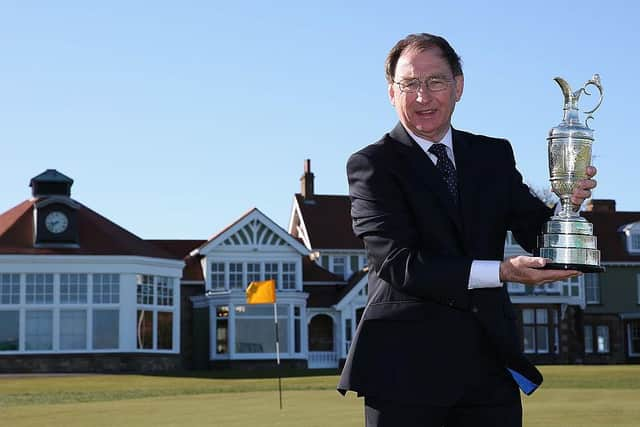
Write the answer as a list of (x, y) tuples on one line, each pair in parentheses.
[(584, 187)]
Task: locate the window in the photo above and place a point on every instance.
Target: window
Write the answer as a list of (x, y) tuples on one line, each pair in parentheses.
[(222, 329), (592, 288), (588, 339), (106, 288), (633, 331), (363, 261), (542, 330), (339, 267), (571, 287), (144, 329), (638, 287), (235, 275), (73, 289), (73, 329), (253, 272), (602, 336), (288, 275), (217, 275), (145, 289), (165, 330), (10, 330), (39, 330), (516, 288), (39, 289), (165, 290), (537, 330), (106, 329), (635, 242), (271, 271), (255, 330), (154, 325), (9, 289)]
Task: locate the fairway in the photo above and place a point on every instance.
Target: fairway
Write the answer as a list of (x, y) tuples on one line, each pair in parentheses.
[(582, 396)]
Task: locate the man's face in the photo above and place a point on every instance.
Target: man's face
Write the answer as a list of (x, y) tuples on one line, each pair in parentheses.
[(425, 113)]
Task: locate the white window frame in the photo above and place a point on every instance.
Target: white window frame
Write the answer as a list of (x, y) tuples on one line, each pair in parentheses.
[(335, 262), (550, 326), (165, 303), (237, 275), (218, 277), (9, 285), (592, 282)]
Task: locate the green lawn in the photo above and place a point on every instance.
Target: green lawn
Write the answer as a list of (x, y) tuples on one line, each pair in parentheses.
[(582, 396)]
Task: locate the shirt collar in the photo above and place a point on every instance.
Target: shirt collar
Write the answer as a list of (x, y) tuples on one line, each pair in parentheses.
[(426, 144)]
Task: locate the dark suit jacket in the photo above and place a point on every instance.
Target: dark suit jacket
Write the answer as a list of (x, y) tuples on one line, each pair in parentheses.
[(425, 337)]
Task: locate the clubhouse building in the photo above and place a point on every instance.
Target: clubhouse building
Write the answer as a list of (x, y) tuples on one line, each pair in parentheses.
[(78, 293)]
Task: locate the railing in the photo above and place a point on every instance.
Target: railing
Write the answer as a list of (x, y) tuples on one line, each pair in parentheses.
[(322, 359)]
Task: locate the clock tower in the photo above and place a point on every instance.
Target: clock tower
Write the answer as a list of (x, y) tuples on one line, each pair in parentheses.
[(55, 213)]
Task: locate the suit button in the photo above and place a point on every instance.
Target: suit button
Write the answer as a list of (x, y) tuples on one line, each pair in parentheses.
[(474, 309)]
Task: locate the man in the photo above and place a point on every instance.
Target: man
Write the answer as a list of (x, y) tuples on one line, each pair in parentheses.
[(437, 344)]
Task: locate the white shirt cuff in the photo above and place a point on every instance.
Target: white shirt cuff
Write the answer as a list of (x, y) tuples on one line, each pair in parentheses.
[(484, 274)]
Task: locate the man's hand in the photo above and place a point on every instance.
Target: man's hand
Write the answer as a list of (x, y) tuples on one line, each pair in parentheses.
[(584, 187), (525, 269)]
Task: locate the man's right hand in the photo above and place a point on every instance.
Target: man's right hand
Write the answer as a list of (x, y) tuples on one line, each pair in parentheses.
[(526, 270)]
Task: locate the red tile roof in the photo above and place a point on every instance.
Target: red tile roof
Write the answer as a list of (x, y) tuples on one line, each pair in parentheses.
[(312, 272), (97, 236), (192, 270), (322, 295), (328, 222), (611, 242)]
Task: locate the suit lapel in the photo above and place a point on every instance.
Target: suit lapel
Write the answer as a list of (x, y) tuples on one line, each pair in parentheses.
[(424, 168)]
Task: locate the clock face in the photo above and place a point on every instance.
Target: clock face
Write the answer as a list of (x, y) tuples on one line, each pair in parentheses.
[(56, 222)]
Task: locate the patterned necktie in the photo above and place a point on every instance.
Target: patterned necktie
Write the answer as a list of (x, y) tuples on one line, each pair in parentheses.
[(446, 168)]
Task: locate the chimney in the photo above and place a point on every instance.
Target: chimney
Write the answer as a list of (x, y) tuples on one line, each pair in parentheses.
[(600, 205), (306, 181)]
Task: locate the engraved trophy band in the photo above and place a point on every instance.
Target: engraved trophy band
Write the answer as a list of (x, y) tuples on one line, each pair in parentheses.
[(567, 239)]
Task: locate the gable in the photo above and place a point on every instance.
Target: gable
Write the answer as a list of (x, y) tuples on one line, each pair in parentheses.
[(253, 231), (254, 234)]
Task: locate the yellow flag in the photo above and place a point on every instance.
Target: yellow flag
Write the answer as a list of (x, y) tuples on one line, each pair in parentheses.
[(261, 292)]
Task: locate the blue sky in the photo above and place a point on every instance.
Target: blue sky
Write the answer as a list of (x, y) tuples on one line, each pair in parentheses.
[(174, 118)]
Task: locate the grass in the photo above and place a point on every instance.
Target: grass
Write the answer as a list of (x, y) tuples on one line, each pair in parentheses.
[(585, 396)]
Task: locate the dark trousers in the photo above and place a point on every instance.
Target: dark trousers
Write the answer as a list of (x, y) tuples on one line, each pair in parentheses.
[(393, 414)]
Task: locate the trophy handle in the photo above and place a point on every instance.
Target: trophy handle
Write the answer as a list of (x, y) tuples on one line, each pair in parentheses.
[(594, 81)]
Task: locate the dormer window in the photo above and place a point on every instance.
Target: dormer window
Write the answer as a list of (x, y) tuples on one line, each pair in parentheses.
[(632, 237)]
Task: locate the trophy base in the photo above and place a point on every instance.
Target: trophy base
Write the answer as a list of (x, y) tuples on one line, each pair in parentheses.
[(578, 267), (569, 245)]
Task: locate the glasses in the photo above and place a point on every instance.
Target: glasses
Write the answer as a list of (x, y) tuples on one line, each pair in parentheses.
[(433, 84)]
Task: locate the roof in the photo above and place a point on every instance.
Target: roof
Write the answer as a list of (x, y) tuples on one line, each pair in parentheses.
[(612, 242), (353, 281), (97, 236), (322, 295), (327, 219), (312, 272), (192, 270)]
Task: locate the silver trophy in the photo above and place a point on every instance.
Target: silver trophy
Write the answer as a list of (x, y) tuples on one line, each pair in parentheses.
[(567, 239)]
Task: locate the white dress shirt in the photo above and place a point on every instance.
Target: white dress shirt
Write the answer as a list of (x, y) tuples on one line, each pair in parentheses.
[(484, 273)]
